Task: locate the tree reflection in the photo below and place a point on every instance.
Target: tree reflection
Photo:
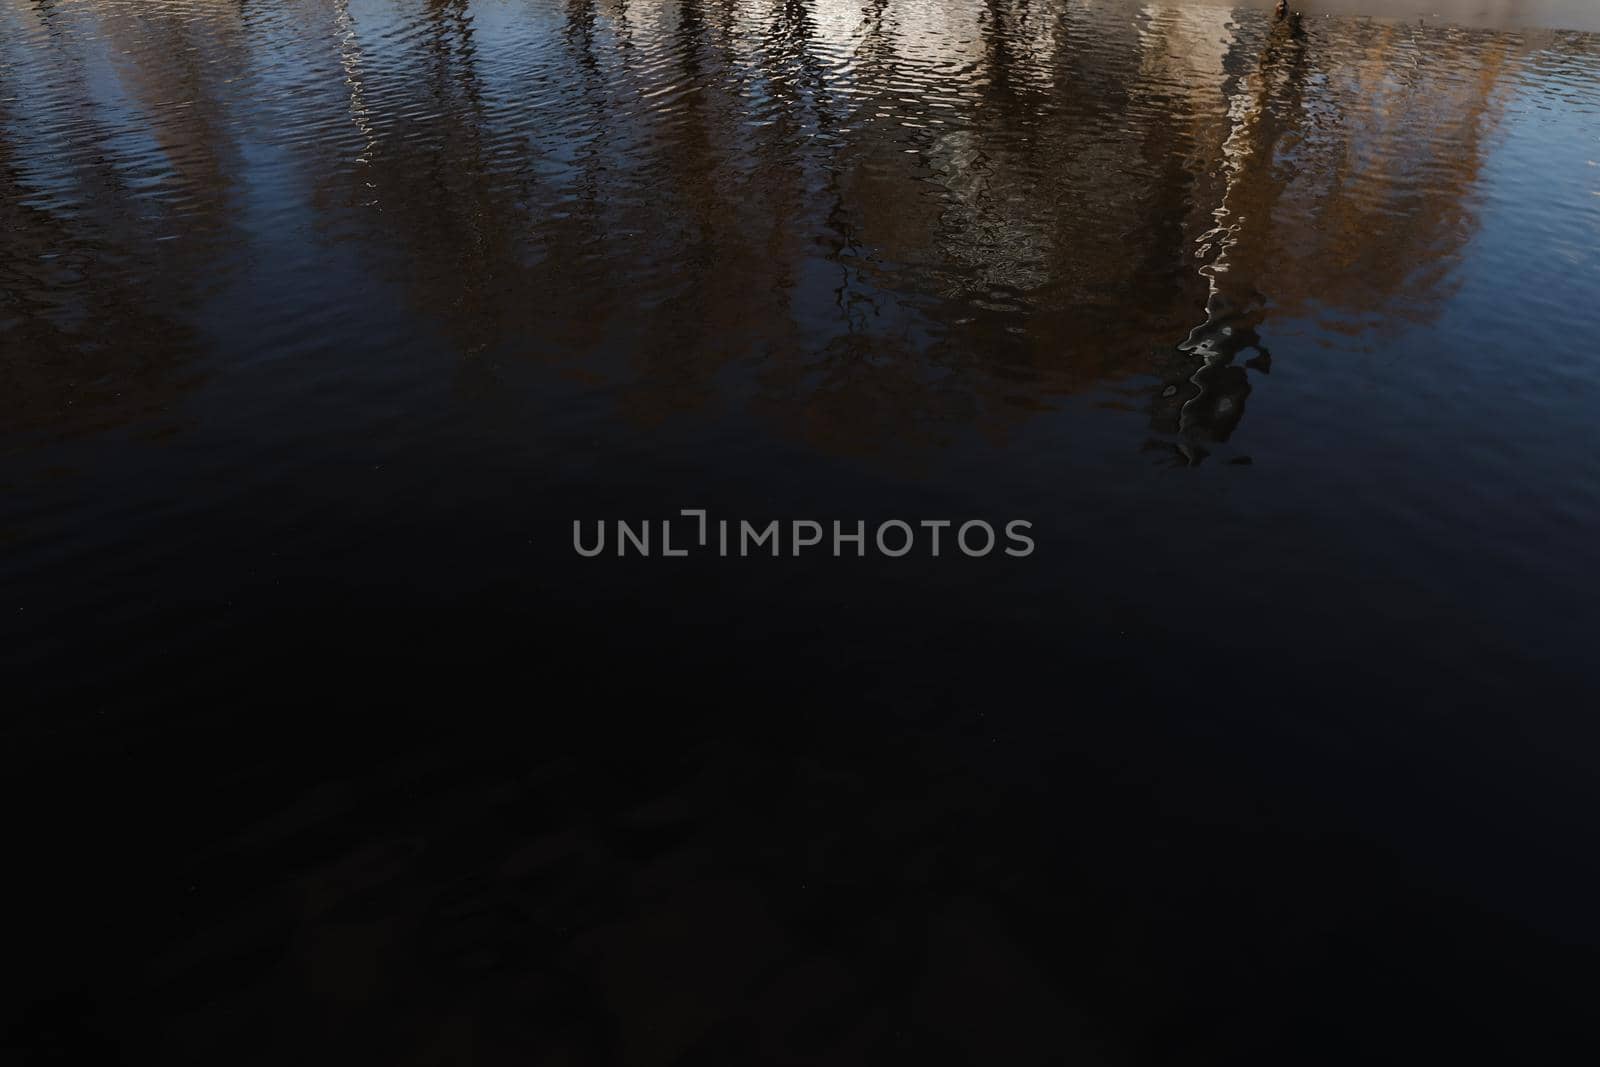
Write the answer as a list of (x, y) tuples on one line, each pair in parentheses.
[(875, 223), (116, 175)]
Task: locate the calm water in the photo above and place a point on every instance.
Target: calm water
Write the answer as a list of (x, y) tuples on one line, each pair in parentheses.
[(322, 321)]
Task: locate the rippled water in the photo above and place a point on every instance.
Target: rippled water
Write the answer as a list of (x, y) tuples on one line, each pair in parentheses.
[(322, 321)]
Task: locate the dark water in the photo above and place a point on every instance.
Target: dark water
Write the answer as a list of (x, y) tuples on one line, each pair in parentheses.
[(323, 321)]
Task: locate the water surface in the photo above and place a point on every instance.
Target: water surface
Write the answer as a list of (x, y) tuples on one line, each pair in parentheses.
[(322, 321)]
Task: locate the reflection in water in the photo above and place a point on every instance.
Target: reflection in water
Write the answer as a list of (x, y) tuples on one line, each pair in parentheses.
[(116, 166), (401, 287), (872, 224)]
